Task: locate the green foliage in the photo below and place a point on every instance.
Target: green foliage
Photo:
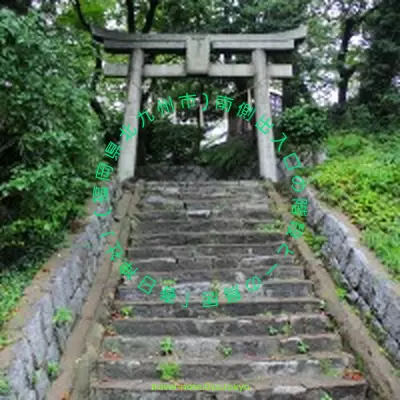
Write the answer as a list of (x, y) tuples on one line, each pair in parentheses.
[(302, 348), (286, 328), (48, 144), (276, 226), (53, 370), (45, 175), (362, 179), (168, 371), (226, 351), (126, 311), (62, 316), (4, 385), (326, 396), (341, 293), (230, 157), (305, 125), (12, 285), (272, 331), (328, 369), (174, 143), (167, 346)]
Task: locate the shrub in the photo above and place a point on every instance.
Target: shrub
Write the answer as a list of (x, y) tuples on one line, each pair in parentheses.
[(362, 178), (305, 126), (49, 130), (177, 144)]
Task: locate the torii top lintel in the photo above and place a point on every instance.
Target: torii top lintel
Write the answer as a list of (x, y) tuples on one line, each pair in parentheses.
[(124, 42)]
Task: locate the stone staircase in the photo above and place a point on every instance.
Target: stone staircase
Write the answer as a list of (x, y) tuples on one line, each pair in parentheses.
[(207, 237)]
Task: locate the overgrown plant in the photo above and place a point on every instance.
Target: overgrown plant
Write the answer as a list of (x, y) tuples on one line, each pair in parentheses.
[(167, 346), (62, 316), (126, 311), (168, 371), (272, 331), (4, 385), (53, 370), (226, 351), (302, 348)]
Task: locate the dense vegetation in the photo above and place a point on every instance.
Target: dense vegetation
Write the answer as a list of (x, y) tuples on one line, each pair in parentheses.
[(362, 177), (57, 111)]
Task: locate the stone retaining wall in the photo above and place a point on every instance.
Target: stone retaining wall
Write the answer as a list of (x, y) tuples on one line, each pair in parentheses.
[(369, 286), (25, 362)]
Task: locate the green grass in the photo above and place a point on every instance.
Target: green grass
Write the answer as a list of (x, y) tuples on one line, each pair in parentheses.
[(361, 178), (12, 285)]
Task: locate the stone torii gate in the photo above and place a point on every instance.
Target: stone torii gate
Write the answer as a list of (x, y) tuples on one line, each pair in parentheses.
[(197, 49)]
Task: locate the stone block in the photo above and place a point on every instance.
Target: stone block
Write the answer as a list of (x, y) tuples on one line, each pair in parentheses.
[(42, 384), (53, 353), (391, 346), (391, 320), (74, 268), (315, 215), (62, 333), (356, 266), (47, 316), (61, 289), (34, 333), (77, 302), (381, 299), (367, 286), (17, 377), (23, 352)]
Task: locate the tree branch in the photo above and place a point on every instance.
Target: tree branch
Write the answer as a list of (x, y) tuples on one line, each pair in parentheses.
[(96, 106), (150, 16), (131, 16)]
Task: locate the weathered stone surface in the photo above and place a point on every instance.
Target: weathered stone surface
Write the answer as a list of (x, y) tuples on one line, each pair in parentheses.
[(356, 266), (392, 318), (17, 377), (34, 333), (47, 312), (24, 353), (382, 298), (42, 384)]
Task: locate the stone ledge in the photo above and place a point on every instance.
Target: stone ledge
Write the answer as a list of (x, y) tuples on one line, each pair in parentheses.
[(37, 341)]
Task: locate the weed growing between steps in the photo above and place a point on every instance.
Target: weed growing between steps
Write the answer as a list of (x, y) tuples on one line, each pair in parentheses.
[(232, 294)]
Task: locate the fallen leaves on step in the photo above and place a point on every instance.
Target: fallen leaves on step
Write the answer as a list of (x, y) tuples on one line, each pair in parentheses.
[(110, 355), (352, 375)]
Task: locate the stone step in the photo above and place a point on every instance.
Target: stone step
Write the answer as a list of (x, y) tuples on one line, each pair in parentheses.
[(260, 213), (276, 388), (215, 264), (203, 190), (199, 204), (221, 347), (231, 368), (245, 307), (212, 183), (218, 325), (274, 289), (215, 224), (198, 238), (238, 251), (173, 271), (161, 197)]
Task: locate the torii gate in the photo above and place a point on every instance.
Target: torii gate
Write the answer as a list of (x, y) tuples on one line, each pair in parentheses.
[(197, 49)]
